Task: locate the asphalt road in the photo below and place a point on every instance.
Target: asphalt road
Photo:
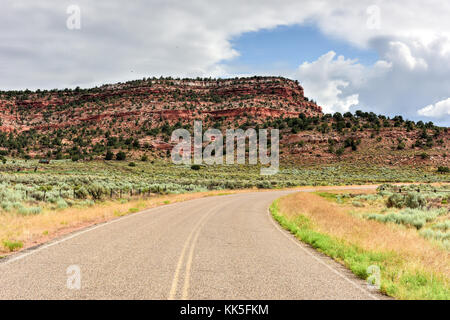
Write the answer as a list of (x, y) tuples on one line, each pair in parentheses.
[(222, 247)]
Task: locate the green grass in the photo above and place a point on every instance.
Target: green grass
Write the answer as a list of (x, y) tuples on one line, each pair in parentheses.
[(327, 195), (12, 245), (395, 281), (335, 197)]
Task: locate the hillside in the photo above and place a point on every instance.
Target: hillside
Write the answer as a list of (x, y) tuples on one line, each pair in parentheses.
[(138, 117)]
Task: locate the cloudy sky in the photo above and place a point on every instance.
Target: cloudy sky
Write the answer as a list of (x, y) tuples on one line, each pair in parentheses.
[(382, 56)]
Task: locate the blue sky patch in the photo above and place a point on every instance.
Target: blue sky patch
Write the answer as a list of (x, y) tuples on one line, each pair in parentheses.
[(285, 48)]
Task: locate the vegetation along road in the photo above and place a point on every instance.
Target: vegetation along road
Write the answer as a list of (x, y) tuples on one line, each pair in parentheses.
[(226, 247)]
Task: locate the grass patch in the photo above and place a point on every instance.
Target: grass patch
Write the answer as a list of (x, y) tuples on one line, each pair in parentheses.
[(334, 197), (397, 280), (12, 245), (133, 210), (327, 195)]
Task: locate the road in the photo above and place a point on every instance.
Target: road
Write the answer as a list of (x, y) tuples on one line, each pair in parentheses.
[(221, 247)]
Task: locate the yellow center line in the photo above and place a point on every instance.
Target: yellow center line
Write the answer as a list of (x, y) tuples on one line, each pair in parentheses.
[(173, 289), (187, 272)]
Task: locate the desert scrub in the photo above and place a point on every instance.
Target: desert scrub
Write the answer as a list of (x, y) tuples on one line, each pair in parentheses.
[(411, 200), (428, 191), (435, 234), (61, 204), (409, 217), (441, 237), (444, 226), (357, 204), (367, 197), (29, 211), (76, 182)]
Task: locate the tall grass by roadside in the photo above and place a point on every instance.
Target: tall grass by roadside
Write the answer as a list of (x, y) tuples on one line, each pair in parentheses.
[(411, 268)]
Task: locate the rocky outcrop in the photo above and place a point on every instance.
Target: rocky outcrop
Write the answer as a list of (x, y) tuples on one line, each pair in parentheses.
[(155, 100)]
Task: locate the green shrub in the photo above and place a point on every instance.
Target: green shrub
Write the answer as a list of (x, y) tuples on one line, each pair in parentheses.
[(29, 211), (411, 200), (357, 204), (442, 169), (12, 245), (6, 206), (367, 197), (80, 192), (96, 191), (61, 204), (109, 155), (86, 203), (435, 234), (395, 200), (121, 156), (444, 226), (415, 200), (424, 155), (340, 151)]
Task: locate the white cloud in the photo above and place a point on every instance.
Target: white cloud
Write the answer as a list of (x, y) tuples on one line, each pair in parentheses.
[(326, 79), (400, 54), (335, 82), (437, 110), (407, 77)]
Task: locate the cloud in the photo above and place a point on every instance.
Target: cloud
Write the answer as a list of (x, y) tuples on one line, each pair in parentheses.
[(400, 54), (408, 76), (437, 110), (327, 78), (335, 82)]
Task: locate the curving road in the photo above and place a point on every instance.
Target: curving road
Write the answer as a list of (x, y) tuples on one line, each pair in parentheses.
[(223, 247)]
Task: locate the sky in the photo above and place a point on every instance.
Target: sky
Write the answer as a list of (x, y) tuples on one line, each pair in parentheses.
[(388, 57)]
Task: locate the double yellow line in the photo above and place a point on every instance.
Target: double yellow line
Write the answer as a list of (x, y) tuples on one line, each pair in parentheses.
[(192, 236)]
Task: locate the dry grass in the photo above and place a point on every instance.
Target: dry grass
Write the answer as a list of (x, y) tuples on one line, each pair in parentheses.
[(336, 221)]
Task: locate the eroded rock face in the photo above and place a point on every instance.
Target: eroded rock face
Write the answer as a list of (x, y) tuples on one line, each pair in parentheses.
[(155, 100)]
